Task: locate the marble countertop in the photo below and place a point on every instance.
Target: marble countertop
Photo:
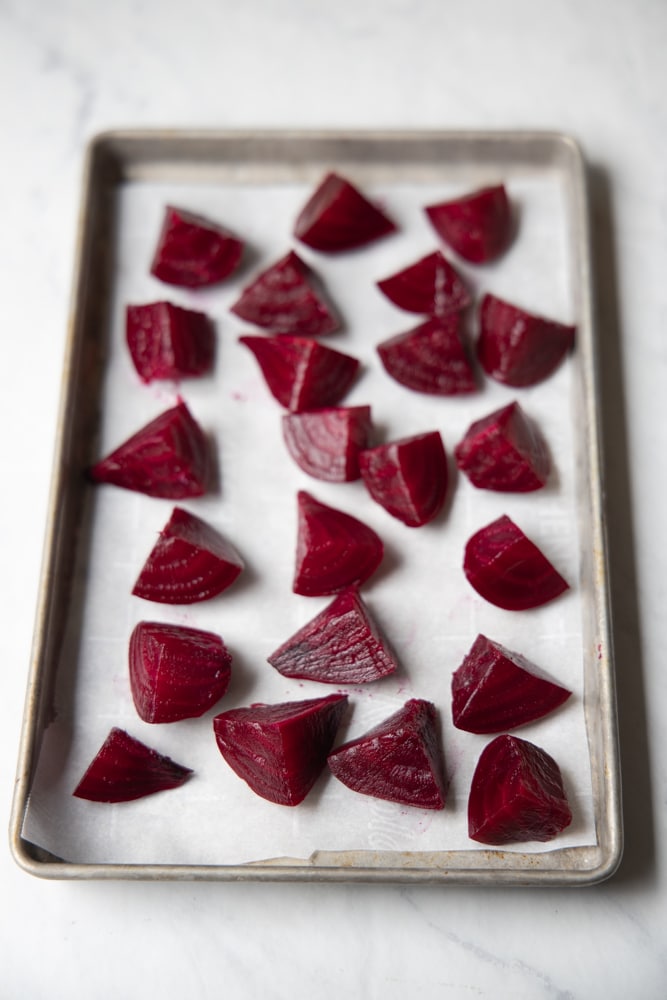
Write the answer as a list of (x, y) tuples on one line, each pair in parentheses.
[(594, 69)]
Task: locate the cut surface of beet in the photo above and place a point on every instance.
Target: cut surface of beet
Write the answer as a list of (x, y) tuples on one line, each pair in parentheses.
[(176, 672), (193, 252), (430, 358), (504, 451), (169, 458), (285, 298), (432, 286), (334, 550), (509, 570), (280, 750), (326, 443), (190, 562), (301, 373), (408, 477), (340, 645), (518, 348), (338, 217), (516, 794), (125, 769), (496, 689), (168, 342), (399, 760), (478, 226)]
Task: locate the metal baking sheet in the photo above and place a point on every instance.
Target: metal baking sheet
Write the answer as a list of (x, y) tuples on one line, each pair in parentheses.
[(96, 539)]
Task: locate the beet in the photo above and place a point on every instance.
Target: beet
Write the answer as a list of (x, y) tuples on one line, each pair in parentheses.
[(125, 769), (280, 750), (285, 298), (169, 457), (326, 443), (399, 760), (430, 358), (519, 348), (432, 286), (300, 373), (168, 342), (190, 562), (340, 645), (408, 477), (516, 794), (478, 226), (334, 550), (495, 689), (338, 217), (176, 672), (193, 252), (509, 570), (505, 452)]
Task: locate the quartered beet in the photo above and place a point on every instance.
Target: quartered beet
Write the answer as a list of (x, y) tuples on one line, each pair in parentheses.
[(505, 452), (326, 443), (176, 672), (432, 286), (337, 217), (478, 226), (509, 570), (280, 750), (430, 358), (399, 760), (340, 645), (193, 252), (168, 342), (334, 550), (190, 562), (125, 769), (285, 298), (169, 457), (516, 794), (301, 373), (518, 348), (408, 477), (495, 689)]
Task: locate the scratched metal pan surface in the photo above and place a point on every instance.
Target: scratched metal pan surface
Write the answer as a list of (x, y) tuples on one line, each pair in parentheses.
[(126, 170)]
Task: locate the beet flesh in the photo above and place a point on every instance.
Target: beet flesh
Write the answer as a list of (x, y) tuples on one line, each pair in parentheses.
[(125, 769), (477, 226), (168, 342), (432, 286), (326, 443), (193, 252), (280, 750), (430, 358), (516, 794), (504, 452), (338, 217), (408, 477)]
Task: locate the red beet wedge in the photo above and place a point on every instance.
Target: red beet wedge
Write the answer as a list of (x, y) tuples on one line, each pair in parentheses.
[(519, 348), (477, 226), (407, 477), (168, 342), (431, 286), (430, 358), (495, 689), (300, 373), (509, 570), (339, 217), (169, 457), (285, 298), (326, 443), (505, 452), (190, 562), (124, 769), (194, 252), (516, 794), (399, 760), (280, 750), (176, 672), (334, 550), (340, 645)]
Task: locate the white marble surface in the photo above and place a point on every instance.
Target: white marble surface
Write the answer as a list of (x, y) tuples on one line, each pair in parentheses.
[(595, 68)]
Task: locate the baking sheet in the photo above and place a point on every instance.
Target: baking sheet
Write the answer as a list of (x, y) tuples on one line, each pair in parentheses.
[(429, 613)]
